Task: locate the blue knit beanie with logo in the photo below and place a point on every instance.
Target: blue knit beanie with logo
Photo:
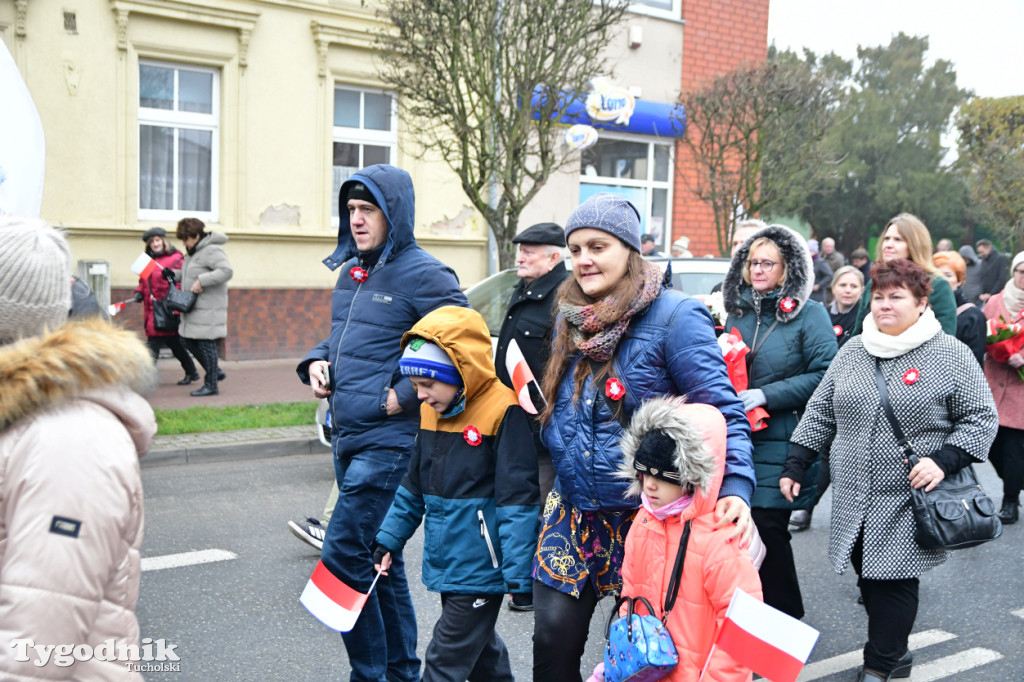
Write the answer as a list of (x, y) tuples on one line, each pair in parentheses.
[(609, 213), (426, 360)]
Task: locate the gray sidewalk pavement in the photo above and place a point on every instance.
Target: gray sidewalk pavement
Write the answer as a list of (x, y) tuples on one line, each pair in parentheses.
[(251, 382)]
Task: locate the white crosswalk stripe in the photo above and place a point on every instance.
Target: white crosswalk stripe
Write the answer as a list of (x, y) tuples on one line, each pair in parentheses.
[(203, 556), (854, 659), (1019, 613), (952, 665)]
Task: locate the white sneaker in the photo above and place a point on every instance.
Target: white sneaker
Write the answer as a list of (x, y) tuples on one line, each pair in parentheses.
[(309, 530)]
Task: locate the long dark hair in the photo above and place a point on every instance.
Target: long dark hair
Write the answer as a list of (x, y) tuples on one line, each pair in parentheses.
[(564, 350)]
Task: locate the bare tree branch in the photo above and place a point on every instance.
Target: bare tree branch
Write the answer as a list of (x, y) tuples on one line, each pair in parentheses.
[(466, 72)]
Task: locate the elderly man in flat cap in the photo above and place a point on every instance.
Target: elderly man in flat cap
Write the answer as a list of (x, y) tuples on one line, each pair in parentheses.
[(529, 320)]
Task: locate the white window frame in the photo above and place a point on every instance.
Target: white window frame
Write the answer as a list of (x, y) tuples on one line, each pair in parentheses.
[(675, 13), (648, 184), (362, 136), (181, 120)]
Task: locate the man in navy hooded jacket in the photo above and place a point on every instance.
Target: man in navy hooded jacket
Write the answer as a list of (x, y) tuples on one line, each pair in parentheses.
[(387, 283)]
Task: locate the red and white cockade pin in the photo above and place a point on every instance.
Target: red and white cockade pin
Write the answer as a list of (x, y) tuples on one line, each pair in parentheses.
[(614, 389), (359, 274), (472, 435), (787, 305), (838, 330), (910, 376)]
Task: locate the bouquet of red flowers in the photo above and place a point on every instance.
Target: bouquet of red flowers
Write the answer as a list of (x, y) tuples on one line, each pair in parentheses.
[(1003, 339), (735, 352)]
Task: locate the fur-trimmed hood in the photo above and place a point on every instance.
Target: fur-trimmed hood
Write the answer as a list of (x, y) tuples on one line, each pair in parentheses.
[(699, 433), (88, 359), (799, 273)]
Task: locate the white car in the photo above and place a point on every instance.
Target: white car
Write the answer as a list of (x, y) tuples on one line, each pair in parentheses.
[(694, 276)]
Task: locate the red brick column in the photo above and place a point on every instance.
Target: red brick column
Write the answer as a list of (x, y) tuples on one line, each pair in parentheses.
[(262, 323), (719, 36)]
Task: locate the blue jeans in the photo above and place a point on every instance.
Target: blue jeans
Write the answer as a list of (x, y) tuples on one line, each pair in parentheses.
[(382, 645)]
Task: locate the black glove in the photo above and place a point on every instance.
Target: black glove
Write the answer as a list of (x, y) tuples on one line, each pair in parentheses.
[(378, 554), (137, 297), (169, 275)]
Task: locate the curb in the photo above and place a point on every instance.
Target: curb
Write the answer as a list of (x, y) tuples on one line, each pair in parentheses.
[(225, 452)]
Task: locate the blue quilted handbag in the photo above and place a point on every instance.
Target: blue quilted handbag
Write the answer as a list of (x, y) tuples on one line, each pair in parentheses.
[(640, 648)]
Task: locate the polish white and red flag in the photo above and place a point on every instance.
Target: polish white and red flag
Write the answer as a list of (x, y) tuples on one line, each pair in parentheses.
[(522, 376), (331, 601), (771, 643), (144, 266)]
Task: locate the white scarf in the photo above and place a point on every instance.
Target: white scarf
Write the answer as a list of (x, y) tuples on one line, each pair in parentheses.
[(882, 345), (1013, 298)]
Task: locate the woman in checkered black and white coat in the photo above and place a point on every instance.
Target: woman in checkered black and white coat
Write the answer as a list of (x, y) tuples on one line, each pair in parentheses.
[(944, 407)]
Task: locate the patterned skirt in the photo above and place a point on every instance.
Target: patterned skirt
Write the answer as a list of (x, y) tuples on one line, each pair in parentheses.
[(576, 546)]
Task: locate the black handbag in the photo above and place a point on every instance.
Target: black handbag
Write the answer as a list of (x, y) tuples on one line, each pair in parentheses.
[(179, 300), (957, 513), (164, 319)]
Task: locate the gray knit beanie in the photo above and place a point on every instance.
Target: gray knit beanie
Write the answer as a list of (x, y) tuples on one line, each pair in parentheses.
[(609, 213), (35, 278)]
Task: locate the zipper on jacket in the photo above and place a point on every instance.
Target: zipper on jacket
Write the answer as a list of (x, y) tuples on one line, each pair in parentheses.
[(757, 329), (348, 318), (486, 536)]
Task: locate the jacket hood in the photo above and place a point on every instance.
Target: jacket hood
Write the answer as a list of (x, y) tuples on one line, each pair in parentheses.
[(967, 253), (463, 335), (392, 188), (81, 360), (699, 433), (799, 272), (212, 238)]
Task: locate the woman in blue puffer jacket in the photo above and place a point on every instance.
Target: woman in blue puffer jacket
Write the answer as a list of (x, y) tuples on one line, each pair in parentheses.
[(621, 338), (766, 293)]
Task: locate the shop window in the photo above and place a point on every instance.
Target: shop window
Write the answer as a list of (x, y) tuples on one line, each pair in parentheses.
[(179, 110), (638, 171), (365, 133)]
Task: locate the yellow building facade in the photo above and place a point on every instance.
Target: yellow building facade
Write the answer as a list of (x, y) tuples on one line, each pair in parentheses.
[(248, 114)]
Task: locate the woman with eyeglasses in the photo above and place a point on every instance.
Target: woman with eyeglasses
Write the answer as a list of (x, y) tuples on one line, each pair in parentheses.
[(767, 295), (1007, 453)]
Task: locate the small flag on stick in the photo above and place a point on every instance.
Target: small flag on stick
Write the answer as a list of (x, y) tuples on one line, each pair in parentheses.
[(771, 643), (522, 377), (144, 266), (331, 601), (116, 307)]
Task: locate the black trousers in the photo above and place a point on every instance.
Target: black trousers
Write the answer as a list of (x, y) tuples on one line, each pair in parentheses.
[(560, 627), (205, 351), (465, 645), (892, 610), (155, 343), (1007, 456), (778, 571)]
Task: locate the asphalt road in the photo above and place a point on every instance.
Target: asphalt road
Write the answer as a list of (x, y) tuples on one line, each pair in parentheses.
[(240, 619)]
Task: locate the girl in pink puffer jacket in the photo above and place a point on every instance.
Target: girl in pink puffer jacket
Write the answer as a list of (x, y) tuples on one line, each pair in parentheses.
[(675, 454)]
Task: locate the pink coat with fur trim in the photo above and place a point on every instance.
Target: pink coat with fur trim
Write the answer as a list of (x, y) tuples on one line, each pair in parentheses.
[(1007, 388), (713, 570)]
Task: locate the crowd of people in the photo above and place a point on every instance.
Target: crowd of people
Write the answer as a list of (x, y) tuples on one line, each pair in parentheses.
[(642, 450), (639, 452)]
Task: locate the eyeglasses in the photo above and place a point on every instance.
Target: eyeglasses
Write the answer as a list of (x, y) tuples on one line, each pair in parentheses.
[(765, 265)]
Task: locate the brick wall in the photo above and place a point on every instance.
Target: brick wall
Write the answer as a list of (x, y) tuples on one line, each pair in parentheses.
[(719, 36), (262, 323)]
